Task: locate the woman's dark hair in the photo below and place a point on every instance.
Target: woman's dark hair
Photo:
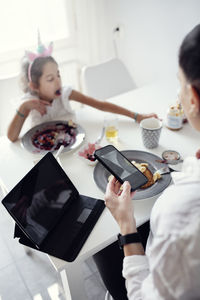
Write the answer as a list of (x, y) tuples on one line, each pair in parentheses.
[(35, 72), (189, 57)]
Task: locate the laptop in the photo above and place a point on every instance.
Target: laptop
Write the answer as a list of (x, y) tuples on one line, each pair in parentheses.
[(49, 212)]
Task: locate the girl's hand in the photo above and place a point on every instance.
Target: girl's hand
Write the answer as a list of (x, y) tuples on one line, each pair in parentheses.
[(141, 117), (39, 105), (120, 205)]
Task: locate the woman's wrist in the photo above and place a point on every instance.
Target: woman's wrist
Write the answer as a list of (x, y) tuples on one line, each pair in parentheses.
[(128, 227)]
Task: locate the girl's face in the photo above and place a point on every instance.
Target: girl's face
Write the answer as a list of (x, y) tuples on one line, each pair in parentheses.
[(189, 100), (50, 82)]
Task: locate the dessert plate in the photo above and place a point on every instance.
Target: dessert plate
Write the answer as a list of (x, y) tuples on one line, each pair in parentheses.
[(49, 136), (101, 175)]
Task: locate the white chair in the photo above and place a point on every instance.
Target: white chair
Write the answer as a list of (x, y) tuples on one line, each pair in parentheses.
[(106, 79), (9, 92)]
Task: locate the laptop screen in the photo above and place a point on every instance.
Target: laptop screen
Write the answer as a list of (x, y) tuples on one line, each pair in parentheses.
[(38, 200)]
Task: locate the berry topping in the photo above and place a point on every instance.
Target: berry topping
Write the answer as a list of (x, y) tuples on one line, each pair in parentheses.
[(58, 92), (91, 157)]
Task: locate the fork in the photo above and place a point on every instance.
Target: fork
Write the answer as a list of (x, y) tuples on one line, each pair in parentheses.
[(60, 136), (98, 140), (165, 170)]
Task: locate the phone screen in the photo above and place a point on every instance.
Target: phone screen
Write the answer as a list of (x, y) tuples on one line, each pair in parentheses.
[(120, 166)]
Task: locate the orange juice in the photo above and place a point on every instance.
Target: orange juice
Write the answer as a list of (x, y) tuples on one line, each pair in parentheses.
[(111, 133)]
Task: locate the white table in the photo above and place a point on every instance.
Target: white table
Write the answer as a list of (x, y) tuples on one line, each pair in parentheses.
[(15, 162)]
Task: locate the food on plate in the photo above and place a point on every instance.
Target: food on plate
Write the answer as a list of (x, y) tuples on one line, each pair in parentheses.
[(152, 178), (52, 137), (143, 167), (88, 151), (149, 176), (72, 124)]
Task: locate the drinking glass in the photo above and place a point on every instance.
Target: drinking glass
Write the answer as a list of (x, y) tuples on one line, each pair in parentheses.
[(111, 128)]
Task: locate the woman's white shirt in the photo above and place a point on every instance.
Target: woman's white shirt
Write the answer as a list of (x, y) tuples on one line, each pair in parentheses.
[(171, 267)]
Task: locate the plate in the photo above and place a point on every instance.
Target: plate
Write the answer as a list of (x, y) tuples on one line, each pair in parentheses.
[(101, 175), (49, 136)]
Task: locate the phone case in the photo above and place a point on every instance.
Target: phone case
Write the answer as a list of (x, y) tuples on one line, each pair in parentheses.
[(98, 157)]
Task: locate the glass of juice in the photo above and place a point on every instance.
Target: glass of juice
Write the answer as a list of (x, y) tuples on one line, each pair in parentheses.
[(111, 127)]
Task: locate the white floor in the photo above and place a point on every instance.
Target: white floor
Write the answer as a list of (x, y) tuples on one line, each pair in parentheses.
[(25, 277)]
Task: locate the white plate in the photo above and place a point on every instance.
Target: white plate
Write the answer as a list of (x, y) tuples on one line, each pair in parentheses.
[(101, 174), (76, 136)]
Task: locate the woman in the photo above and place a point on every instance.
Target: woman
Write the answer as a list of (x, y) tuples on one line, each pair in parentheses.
[(170, 269)]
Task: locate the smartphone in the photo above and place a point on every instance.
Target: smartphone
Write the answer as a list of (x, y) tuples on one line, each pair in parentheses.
[(119, 166)]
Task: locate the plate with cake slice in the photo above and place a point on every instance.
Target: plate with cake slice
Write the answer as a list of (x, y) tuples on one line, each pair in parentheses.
[(146, 162), (49, 136)]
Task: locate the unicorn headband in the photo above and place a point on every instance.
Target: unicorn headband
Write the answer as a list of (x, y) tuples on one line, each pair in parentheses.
[(42, 51)]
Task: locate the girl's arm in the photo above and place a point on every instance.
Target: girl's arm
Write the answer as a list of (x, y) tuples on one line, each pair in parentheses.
[(22, 113), (16, 125), (107, 106)]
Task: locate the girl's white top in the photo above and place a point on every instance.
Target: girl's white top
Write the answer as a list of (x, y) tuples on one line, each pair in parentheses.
[(60, 109), (171, 267)]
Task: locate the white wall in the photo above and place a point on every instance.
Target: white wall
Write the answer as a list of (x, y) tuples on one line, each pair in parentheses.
[(153, 31), (91, 19)]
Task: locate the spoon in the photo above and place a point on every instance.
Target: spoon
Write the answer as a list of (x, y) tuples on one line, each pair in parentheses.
[(59, 151)]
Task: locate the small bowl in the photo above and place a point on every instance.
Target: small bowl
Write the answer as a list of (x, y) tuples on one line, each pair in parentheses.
[(87, 153), (172, 157)]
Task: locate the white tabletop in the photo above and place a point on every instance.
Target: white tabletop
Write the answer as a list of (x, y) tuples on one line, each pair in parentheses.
[(15, 161)]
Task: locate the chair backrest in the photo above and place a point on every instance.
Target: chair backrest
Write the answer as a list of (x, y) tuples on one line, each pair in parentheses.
[(106, 80), (9, 91)]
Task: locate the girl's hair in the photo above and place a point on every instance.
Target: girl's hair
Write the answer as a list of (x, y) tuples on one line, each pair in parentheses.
[(189, 57), (35, 71)]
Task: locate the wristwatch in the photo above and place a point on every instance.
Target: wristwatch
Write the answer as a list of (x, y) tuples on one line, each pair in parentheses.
[(128, 239)]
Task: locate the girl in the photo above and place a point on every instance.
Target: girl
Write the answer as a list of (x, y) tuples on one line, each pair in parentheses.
[(171, 266), (45, 99)]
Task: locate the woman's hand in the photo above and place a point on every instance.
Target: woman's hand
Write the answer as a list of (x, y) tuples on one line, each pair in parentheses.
[(198, 154), (141, 117), (39, 105), (120, 205)]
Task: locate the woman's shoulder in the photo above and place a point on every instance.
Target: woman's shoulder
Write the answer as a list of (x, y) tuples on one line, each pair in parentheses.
[(180, 196), (181, 199), (190, 171), (186, 183)]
